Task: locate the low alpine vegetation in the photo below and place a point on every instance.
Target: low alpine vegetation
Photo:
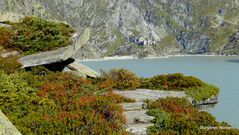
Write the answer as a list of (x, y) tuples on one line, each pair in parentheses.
[(44, 102), (177, 116), (32, 35)]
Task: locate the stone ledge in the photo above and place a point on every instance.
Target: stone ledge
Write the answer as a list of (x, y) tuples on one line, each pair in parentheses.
[(6, 127)]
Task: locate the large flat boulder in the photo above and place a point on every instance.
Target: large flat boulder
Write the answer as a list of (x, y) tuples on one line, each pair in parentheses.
[(82, 69), (5, 54), (137, 116), (138, 129), (45, 58), (144, 94), (133, 106), (58, 55), (6, 127)]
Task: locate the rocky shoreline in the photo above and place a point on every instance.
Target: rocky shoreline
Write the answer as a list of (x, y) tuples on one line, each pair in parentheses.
[(135, 113), (128, 57)]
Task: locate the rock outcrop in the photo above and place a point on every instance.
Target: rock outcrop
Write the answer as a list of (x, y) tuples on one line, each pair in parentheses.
[(58, 55), (5, 53), (62, 58), (135, 113), (6, 127), (210, 101)]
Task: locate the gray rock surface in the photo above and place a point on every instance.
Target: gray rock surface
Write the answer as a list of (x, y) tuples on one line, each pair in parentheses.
[(194, 43), (62, 55), (157, 26), (134, 106), (210, 101), (5, 25), (135, 113), (137, 116), (82, 69), (58, 55), (6, 127), (138, 129), (142, 94), (6, 54)]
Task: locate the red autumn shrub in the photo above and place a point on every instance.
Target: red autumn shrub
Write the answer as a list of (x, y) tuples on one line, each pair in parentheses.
[(106, 84), (123, 79), (118, 98), (52, 89), (5, 37)]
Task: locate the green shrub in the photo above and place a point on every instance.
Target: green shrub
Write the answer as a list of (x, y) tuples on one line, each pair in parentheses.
[(20, 102), (34, 35), (194, 88), (178, 116), (202, 93), (175, 81), (10, 64), (123, 79), (221, 132), (64, 104)]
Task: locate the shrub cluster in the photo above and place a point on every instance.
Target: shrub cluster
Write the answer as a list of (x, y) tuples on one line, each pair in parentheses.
[(60, 103), (175, 81), (33, 35), (177, 116), (122, 79), (220, 132), (202, 93), (193, 87), (5, 36), (10, 64)]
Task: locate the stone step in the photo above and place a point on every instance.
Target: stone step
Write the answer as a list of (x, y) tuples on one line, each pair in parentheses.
[(138, 116), (141, 95), (134, 106), (6, 127), (138, 129)]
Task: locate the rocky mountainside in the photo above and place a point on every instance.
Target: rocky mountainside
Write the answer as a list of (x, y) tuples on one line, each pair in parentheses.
[(141, 27)]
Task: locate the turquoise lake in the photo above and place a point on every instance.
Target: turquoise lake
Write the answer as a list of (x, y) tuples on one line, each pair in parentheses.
[(219, 70)]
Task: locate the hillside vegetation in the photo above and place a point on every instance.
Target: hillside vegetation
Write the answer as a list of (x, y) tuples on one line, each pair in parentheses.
[(32, 35), (198, 90), (145, 27), (176, 116), (45, 102), (39, 101)]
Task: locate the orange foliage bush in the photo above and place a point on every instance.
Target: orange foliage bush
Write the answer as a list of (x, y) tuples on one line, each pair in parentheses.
[(118, 98), (54, 89), (178, 115), (5, 37), (173, 105), (107, 84), (123, 79)]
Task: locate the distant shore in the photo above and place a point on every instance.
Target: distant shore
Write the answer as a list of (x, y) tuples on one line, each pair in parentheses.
[(128, 57)]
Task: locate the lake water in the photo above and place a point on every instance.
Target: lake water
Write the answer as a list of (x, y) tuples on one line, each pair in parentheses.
[(219, 70)]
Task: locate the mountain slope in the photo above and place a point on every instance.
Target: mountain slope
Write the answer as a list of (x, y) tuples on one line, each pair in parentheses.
[(141, 27)]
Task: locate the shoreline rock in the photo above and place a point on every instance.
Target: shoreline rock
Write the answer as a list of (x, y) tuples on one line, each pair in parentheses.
[(210, 101)]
